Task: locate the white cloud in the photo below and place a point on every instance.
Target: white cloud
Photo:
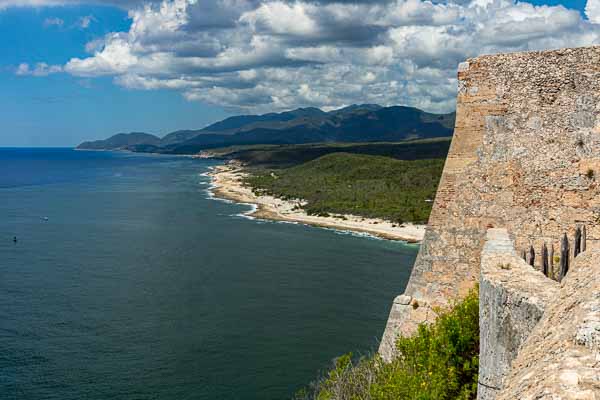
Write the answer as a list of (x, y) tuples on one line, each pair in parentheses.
[(116, 58), (95, 45), (29, 3), (4, 4), (40, 69), (262, 55), (85, 21), (53, 22), (283, 18), (592, 10), (22, 69)]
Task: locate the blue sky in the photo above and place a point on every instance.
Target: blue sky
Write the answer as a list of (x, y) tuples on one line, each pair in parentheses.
[(197, 62), (575, 4), (63, 110)]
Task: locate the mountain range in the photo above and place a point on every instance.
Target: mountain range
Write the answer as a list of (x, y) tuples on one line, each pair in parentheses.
[(356, 123)]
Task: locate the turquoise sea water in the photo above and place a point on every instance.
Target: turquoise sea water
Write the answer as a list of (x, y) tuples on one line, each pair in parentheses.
[(128, 282)]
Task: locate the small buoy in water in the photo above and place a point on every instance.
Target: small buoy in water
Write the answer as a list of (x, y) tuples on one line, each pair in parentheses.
[(15, 239)]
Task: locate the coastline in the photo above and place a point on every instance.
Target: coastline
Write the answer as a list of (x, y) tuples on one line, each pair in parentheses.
[(227, 184)]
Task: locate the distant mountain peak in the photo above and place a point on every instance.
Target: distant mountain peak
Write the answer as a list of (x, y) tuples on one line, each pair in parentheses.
[(354, 123), (354, 107), (121, 141)]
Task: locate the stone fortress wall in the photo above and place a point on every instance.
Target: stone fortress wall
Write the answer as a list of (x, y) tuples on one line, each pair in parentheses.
[(539, 339), (525, 157), (513, 298)]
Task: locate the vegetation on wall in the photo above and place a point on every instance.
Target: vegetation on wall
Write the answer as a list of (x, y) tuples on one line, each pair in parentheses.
[(440, 362)]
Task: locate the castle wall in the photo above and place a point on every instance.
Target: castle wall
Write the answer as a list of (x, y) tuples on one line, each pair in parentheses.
[(525, 156)]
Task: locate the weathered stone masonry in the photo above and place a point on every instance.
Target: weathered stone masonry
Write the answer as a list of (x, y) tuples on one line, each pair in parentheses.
[(513, 297), (525, 156), (560, 360)]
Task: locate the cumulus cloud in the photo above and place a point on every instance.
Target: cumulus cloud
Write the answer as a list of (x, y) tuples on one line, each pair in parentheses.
[(592, 10), (264, 55)]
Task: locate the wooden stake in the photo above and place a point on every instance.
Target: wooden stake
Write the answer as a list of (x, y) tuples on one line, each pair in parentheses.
[(531, 256), (564, 257), (577, 244), (551, 256), (545, 270)]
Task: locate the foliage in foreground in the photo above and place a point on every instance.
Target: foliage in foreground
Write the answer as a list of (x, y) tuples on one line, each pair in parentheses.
[(440, 362), (369, 186)]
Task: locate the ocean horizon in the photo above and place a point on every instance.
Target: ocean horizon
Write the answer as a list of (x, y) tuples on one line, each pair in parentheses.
[(129, 281)]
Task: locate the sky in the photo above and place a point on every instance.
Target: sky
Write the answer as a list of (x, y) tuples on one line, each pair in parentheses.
[(75, 70)]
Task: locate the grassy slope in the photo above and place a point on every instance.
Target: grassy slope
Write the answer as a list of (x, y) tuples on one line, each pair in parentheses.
[(370, 186)]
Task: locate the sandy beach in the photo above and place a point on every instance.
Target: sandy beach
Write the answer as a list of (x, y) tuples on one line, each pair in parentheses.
[(227, 184)]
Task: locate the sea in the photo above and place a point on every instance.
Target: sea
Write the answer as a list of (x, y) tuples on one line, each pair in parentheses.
[(127, 280)]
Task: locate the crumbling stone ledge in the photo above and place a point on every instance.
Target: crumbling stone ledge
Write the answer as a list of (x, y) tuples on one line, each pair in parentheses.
[(403, 306)]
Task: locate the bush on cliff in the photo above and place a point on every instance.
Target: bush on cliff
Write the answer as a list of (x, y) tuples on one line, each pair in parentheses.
[(440, 362)]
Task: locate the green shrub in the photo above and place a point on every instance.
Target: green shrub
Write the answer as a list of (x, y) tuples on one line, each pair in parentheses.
[(440, 362)]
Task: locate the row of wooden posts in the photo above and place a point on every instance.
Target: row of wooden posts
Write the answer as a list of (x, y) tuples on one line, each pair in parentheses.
[(547, 263)]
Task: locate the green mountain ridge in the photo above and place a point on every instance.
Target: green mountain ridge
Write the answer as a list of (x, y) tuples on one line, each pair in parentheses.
[(356, 123), (121, 141)]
